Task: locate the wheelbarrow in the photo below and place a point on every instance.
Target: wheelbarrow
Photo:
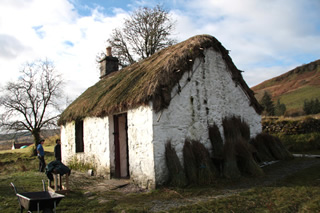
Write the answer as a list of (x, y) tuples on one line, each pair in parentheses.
[(36, 201)]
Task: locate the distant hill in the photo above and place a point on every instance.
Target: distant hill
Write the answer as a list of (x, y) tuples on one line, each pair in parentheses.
[(23, 137), (293, 87)]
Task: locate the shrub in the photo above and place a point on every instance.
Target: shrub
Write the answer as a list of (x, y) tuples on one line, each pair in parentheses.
[(79, 165)]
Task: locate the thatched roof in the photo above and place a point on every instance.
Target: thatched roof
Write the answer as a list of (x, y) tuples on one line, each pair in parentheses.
[(151, 79)]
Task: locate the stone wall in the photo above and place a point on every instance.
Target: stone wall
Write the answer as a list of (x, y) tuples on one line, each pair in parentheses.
[(291, 127), (208, 94)]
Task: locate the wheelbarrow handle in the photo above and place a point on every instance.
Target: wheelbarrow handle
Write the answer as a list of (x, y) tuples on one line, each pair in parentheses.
[(14, 187), (44, 185), (16, 191)]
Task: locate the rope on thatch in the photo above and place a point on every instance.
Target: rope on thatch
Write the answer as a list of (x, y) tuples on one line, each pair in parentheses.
[(177, 176), (207, 172), (190, 163)]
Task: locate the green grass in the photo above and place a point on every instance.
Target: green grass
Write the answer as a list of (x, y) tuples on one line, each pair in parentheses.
[(265, 199), (294, 100), (299, 192), (302, 143)]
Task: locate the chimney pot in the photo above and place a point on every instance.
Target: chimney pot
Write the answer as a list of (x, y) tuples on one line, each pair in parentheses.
[(108, 64), (109, 51)]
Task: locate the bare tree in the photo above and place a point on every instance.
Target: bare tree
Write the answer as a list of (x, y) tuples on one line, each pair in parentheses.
[(145, 31), (30, 103)]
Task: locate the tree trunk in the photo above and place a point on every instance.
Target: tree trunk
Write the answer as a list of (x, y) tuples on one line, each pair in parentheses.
[(36, 138)]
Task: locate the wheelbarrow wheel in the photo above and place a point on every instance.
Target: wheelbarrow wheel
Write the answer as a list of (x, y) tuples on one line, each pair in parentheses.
[(47, 210)]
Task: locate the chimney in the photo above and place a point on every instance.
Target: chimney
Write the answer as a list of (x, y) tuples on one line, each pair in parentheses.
[(109, 51), (108, 64)]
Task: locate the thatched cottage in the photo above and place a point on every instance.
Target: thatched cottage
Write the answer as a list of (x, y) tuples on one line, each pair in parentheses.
[(121, 124)]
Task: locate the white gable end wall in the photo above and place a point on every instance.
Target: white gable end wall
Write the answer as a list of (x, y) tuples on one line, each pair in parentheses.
[(96, 144), (208, 94)]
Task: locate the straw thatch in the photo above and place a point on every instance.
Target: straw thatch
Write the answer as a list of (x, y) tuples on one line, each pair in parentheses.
[(207, 172), (285, 152), (151, 79), (245, 161), (270, 148), (234, 126), (216, 141), (263, 153), (190, 163), (177, 176), (238, 152), (230, 167)]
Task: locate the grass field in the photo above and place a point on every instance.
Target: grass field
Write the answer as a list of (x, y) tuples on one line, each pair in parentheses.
[(298, 191), (294, 100)]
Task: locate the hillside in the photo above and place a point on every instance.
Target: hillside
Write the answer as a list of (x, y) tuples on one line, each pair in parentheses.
[(23, 137), (293, 87)]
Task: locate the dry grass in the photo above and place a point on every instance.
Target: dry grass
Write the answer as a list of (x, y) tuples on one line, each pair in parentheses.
[(270, 148), (207, 172), (263, 153), (149, 80), (216, 141), (190, 165), (230, 166), (177, 176), (235, 127), (238, 153), (245, 161)]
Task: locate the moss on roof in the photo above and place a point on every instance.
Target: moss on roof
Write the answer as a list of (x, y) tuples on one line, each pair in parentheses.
[(149, 80)]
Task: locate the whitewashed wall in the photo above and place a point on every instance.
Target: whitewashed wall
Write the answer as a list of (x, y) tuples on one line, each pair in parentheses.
[(67, 137), (140, 142), (207, 98), (96, 144)]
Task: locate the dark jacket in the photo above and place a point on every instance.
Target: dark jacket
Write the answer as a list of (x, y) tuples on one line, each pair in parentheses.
[(57, 152)]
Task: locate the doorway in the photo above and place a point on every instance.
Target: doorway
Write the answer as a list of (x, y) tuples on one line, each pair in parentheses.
[(121, 146)]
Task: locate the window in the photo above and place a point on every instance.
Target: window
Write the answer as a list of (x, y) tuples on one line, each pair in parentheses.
[(79, 136)]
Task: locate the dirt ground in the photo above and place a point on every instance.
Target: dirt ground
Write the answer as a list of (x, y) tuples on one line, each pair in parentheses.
[(273, 173)]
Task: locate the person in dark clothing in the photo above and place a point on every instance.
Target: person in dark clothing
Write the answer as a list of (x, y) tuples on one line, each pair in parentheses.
[(57, 150), (40, 151)]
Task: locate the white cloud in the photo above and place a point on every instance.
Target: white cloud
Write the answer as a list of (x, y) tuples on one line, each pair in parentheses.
[(260, 34), (54, 29), (265, 37)]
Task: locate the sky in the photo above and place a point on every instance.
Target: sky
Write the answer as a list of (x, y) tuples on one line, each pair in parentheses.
[(265, 37)]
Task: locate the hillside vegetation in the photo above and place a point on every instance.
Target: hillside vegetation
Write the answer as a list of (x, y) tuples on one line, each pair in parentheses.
[(294, 87)]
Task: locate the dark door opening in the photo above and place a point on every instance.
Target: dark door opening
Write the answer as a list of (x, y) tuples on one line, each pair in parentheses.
[(121, 146)]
